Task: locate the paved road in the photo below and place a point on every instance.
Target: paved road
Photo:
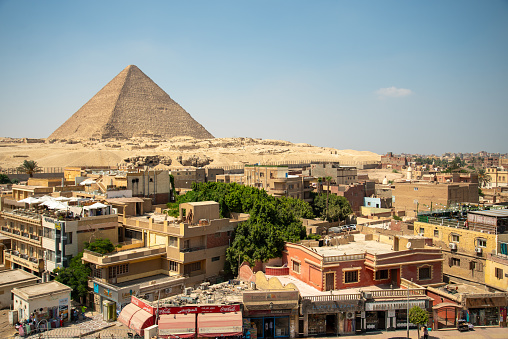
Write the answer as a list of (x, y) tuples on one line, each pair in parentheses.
[(478, 333)]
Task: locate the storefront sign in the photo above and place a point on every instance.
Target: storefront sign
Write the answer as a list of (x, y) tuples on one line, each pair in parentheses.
[(185, 309), (331, 307), (269, 312), (394, 305), (270, 296)]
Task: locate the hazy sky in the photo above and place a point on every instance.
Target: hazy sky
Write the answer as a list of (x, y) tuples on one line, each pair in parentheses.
[(402, 76)]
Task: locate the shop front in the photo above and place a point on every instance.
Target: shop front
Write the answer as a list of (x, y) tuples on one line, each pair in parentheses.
[(485, 311), (271, 314), (330, 317), (389, 315)]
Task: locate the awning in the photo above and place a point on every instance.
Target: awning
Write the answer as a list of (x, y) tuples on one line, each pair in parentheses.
[(219, 324), (127, 313), (141, 320), (181, 325), (486, 302)]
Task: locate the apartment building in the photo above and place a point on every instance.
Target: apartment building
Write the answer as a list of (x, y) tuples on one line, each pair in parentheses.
[(429, 196), (397, 162), (474, 248), (498, 177), (185, 177), (44, 239), (163, 254), (276, 181), (341, 175)]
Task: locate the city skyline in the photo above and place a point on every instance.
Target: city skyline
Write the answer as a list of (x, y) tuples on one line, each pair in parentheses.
[(414, 77)]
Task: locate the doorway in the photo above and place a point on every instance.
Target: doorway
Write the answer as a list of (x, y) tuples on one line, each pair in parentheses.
[(331, 326), (329, 281), (269, 331)]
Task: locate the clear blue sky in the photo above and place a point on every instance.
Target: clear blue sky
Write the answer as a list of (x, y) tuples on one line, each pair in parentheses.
[(402, 76)]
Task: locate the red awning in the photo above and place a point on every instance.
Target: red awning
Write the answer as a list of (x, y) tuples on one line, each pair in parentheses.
[(127, 313), (141, 320), (219, 324), (181, 325)]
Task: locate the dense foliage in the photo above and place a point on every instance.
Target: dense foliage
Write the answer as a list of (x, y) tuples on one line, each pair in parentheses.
[(76, 275), (272, 221), (4, 179), (338, 207)]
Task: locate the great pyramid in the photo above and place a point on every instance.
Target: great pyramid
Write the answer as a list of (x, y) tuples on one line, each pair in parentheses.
[(130, 105)]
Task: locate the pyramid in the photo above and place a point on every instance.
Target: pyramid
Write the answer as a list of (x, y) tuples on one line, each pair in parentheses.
[(130, 105)]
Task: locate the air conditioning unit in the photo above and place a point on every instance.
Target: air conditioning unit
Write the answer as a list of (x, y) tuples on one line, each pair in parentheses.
[(187, 291), (452, 245), (350, 315), (478, 250)]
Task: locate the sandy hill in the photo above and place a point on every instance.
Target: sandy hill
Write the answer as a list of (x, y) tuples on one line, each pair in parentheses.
[(174, 152), (130, 105)]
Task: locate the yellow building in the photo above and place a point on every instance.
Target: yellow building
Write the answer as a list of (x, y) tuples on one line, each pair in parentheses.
[(498, 177), (496, 271)]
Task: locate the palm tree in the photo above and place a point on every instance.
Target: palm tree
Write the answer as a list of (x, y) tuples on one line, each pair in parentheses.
[(328, 179), (29, 167), (483, 177), (319, 180)]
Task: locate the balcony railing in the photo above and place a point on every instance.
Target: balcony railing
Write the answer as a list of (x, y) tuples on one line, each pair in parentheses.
[(396, 293), (336, 258), (34, 237), (193, 249), (334, 297), (26, 235), (16, 232)]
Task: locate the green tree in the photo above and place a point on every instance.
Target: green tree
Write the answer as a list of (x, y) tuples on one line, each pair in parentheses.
[(328, 179), (29, 167), (102, 246), (338, 207), (4, 179), (418, 317), (75, 276), (483, 177)]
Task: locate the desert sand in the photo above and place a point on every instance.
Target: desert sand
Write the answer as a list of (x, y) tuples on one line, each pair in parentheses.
[(215, 152)]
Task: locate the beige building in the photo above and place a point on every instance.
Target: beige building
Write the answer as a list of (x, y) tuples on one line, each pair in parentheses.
[(43, 300), (184, 178), (10, 279), (341, 175), (164, 253), (472, 248), (417, 197), (498, 177), (276, 181)]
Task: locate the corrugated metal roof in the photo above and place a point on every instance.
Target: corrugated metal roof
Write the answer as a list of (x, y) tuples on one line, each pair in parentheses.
[(492, 213)]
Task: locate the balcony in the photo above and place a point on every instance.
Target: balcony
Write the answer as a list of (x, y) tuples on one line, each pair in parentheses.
[(122, 256), (334, 297), (21, 236), (35, 264)]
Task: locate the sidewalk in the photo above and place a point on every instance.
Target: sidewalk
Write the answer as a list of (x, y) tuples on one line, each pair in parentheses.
[(478, 333)]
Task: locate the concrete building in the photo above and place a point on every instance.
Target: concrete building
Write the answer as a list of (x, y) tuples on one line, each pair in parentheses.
[(341, 175), (397, 162), (354, 193), (42, 240), (498, 177), (163, 254), (423, 196), (185, 177), (49, 300), (276, 181), (10, 279), (474, 249)]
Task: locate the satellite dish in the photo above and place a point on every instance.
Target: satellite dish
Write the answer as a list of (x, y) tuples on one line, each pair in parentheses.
[(408, 245)]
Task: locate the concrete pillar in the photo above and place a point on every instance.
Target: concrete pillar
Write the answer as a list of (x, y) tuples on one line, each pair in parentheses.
[(306, 325)]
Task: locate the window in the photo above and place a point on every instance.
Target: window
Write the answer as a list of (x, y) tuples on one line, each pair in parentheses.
[(422, 231), (499, 273), (436, 233), (481, 242), (173, 241), (472, 265), (383, 274), (296, 267), (49, 233), (215, 259), (69, 237), (455, 262), (118, 270), (50, 255), (351, 277), (97, 273), (186, 244), (217, 235), (416, 188), (425, 273), (455, 237), (173, 266), (196, 266)]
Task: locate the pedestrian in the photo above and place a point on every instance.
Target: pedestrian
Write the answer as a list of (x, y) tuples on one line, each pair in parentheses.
[(425, 333)]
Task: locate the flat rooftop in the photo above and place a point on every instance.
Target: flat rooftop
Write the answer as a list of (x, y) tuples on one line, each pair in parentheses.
[(492, 213), (359, 246), (40, 290), (13, 276)]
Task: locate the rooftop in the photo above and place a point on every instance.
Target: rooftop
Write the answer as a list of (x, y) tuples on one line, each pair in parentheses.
[(493, 213), (359, 246), (158, 279), (41, 290), (13, 276)]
